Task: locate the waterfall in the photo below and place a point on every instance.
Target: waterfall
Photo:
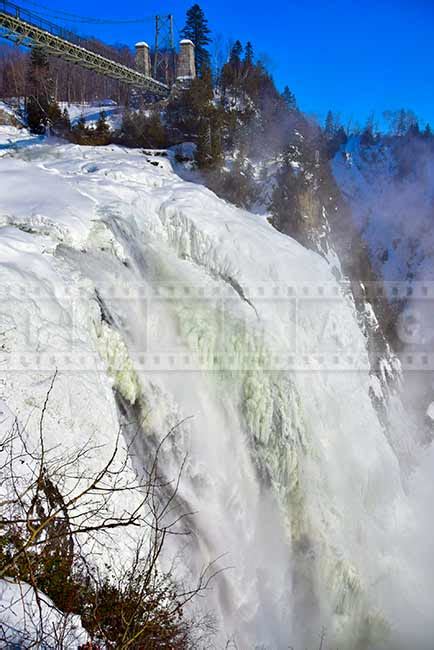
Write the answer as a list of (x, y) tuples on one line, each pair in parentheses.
[(275, 470)]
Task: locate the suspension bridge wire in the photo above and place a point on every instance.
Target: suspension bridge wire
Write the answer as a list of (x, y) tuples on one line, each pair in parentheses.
[(64, 16), (177, 30)]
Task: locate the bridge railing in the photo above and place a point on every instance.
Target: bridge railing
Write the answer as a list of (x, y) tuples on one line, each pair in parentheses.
[(89, 43), (25, 25), (34, 19)]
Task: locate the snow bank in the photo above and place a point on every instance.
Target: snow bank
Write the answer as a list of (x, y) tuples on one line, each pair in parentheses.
[(29, 618), (91, 112)]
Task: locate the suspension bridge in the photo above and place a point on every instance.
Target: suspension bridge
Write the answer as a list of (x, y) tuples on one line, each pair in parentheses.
[(26, 28)]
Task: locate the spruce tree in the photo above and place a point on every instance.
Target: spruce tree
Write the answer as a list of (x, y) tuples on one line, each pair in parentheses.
[(216, 145), (289, 99), (66, 122), (80, 131), (367, 138), (197, 30), (330, 126), (248, 55), (427, 132), (203, 149), (102, 129), (236, 52)]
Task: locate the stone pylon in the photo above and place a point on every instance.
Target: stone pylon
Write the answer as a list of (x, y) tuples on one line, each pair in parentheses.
[(143, 58), (186, 66)]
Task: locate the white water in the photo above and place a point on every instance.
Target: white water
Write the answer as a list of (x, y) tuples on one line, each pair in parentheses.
[(290, 474)]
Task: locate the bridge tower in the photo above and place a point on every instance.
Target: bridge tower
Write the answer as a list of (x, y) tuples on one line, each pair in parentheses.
[(186, 66), (164, 63), (143, 58)]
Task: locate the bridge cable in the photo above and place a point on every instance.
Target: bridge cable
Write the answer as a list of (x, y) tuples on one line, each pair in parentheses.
[(65, 16)]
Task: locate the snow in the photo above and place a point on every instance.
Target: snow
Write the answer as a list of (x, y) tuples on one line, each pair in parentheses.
[(430, 411), (13, 138), (215, 317), (27, 617), (91, 112)]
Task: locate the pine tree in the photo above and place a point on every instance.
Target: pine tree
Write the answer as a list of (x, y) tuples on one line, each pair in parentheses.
[(248, 55), (197, 30), (289, 99)]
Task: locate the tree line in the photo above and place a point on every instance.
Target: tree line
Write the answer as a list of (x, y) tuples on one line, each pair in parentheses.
[(396, 123)]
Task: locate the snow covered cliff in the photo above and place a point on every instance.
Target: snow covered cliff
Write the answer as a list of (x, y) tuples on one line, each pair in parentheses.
[(151, 297), (390, 188)]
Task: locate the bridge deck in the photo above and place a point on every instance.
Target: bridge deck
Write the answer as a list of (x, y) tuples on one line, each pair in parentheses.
[(25, 28)]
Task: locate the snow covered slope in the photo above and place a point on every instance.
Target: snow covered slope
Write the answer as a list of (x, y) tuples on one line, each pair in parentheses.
[(21, 618), (122, 276)]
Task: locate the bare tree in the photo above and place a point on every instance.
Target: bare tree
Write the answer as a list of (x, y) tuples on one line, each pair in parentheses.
[(55, 512)]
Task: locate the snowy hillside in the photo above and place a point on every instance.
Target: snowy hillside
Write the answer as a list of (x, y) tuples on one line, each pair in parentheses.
[(153, 298), (390, 187)]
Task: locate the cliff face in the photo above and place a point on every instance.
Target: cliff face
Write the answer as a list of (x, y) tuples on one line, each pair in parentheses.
[(389, 188)]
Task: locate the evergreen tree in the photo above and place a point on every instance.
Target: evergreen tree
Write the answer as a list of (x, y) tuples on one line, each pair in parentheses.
[(208, 121), (216, 144), (285, 203), (102, 129), (66, 122), (289, 99), (367, 138), (248, 55), (201, 93), (414, 130), (81, 124), (371, 124), (402, 124), (140, 130), (236, 53), (154, 134), (203, 149), (80, 131), (40, 91), (197, 30), (340, 138), (330, 125), (401, 121), (427, 132)]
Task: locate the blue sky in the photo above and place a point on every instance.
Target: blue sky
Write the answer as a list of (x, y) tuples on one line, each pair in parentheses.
[(352, 56)]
